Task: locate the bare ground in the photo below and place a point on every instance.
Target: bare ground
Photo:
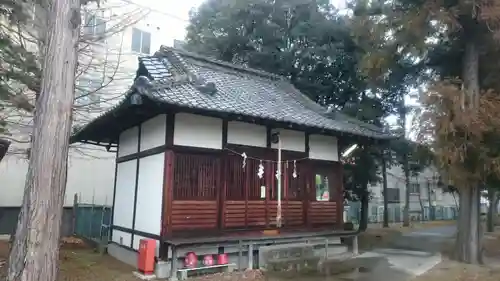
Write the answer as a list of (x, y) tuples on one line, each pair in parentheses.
[(79, 262), (448, 270), (378, 237)]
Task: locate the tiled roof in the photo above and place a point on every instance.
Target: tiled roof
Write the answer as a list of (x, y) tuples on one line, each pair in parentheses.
[(243, 91), (187, 80)]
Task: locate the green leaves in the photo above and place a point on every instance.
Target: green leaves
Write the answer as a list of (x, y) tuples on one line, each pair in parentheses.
[(318, 50), (302, 40), (20, 71)]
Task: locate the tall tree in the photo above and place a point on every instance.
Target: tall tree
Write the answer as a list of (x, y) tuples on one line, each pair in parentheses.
[(99, 72), (309, 43), (35, 252), (454, 39), (466, 146), (304, 41)]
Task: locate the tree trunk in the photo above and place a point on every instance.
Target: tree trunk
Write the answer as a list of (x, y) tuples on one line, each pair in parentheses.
[(492, 199), (468, 246), (422, 209), (386, 200), (432, 207), (4, 147), (35, 252), (406, 211), (363, 221)]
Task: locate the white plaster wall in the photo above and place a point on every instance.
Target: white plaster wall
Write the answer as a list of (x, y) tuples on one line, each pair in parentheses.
[(90, 175), (128, 141), (198, 131), (137, 241), (150, 194), (123, 237), (323, 148), (246, 134), (125, 192), (291, 140), (153, 132)]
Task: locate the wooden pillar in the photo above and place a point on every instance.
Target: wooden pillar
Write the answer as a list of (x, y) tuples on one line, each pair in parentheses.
[(284, 176), (246, 190), (168, 193)]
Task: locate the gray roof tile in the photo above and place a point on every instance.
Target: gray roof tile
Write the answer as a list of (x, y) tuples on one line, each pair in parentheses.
[(176, 76), (244, 91)]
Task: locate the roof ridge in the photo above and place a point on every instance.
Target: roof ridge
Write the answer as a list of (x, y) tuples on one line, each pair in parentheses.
[(165, 49), (311, 103)]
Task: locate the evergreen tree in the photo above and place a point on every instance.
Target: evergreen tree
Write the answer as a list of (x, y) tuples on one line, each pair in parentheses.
[(452, 46), (315, 47)]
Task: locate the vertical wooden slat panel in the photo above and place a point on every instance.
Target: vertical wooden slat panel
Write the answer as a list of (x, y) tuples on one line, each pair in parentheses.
[(196, 177), (307, 196), (222, 191)]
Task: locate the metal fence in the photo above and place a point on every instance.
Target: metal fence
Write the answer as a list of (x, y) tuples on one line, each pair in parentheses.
[(376, 213), (92, 221)]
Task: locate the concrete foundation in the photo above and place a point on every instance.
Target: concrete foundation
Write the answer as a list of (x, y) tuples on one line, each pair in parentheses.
[(242, 260), (124, 255), (144, 277)]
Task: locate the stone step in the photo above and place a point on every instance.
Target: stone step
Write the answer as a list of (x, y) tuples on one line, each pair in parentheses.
[(297, 255)]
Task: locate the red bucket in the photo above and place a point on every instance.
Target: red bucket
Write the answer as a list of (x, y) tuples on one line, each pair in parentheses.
[(208, 260), (191, 260), (222, 259)]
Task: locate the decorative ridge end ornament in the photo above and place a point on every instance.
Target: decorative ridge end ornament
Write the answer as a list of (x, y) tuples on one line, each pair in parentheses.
[(4, 147), (179, 69), (142, 84)]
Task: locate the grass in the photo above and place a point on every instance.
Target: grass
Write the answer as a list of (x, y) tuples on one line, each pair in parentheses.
[(78, 262)]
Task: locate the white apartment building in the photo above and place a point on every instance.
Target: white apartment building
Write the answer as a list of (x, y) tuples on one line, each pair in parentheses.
[(115, 35), (424, 192)]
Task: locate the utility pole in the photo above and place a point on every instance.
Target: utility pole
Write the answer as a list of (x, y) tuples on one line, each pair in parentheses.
[(35, 252)]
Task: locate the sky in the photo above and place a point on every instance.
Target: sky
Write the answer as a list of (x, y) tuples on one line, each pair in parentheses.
[(179, 9)]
